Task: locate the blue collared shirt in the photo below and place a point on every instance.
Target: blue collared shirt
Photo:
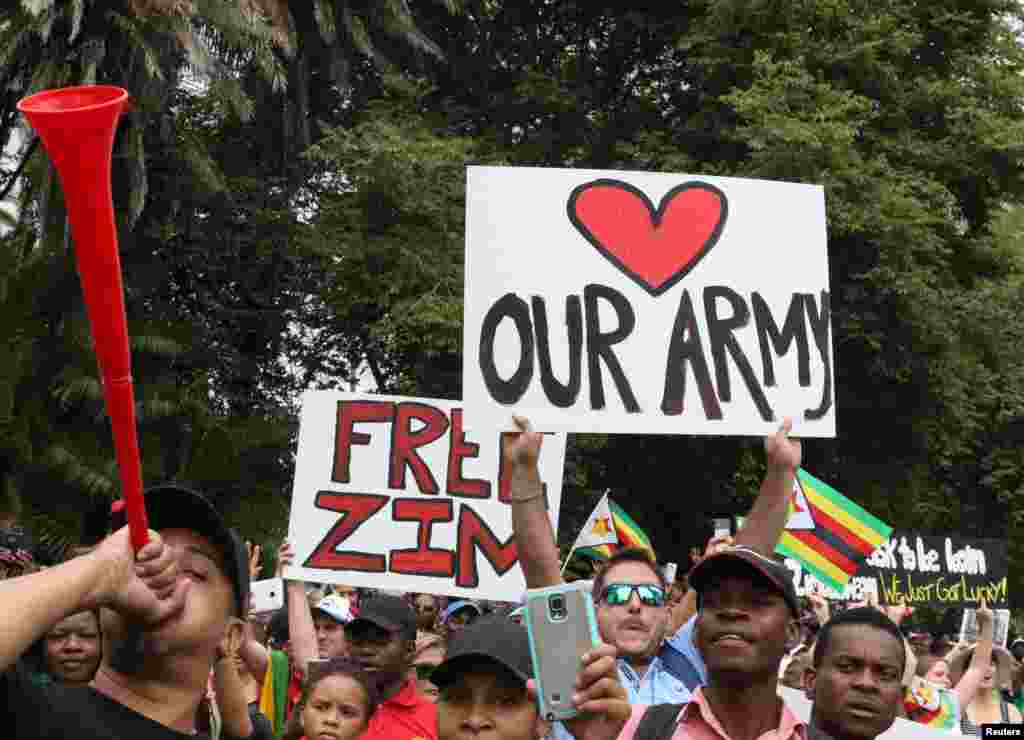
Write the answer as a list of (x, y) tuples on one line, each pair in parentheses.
[(682, 641)]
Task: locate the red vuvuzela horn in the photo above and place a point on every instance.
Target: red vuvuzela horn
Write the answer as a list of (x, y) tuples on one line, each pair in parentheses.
[(77, 127)]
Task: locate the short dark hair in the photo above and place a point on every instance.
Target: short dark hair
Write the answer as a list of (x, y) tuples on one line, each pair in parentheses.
[(865, 615), (629, 555)]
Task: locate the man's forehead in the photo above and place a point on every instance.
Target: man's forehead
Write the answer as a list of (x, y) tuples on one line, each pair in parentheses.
[(631, 571), (866, 642), (737, 574)]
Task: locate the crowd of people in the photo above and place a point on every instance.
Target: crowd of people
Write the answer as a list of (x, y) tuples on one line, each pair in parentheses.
[(161, 643)]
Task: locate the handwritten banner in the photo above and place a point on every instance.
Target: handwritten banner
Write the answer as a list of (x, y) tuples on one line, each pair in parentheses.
[(638, 302), (391, 492), (925, 571)]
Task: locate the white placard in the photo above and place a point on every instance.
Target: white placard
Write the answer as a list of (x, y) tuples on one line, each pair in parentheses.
[(1000, 626), (638, 302), (390, 492)]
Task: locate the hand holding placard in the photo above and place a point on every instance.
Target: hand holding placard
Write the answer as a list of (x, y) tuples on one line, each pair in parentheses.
[(783, 452), (521, 452)]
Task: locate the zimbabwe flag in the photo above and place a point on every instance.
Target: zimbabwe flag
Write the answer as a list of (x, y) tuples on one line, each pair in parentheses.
[(626, 530), (828, 533)]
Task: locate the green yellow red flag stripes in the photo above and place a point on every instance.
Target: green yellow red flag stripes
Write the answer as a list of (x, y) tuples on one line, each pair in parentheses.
[(627, 531), (842, 536)]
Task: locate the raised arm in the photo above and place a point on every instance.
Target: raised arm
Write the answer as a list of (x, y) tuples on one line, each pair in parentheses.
[(967, 687), (767, 518), (531, 525), (143, 586), (301, 632), (254, 656), (230, 690)]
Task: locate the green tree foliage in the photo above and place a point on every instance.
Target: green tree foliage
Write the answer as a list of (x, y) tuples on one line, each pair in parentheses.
[(298, 223), (910, 116)]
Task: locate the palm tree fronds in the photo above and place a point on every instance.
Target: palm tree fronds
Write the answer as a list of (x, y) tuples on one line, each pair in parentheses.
[(325, 21), (77, 12), (138, 181), (77, 391), (130, 28), (159, 346), (37, 7), (230, 92), (201, 164)]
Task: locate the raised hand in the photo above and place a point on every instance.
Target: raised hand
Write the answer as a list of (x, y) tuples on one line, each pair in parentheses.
[(521, 449), (255, 552), (600, 698), (285, 557), (819, 605), (783, 452), (984, 614)]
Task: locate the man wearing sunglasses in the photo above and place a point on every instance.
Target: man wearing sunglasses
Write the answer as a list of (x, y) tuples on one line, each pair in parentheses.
[(658, 659), (632, 615)]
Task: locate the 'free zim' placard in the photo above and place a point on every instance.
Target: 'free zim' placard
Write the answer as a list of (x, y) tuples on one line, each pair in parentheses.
[(392, 492), (638, 302)]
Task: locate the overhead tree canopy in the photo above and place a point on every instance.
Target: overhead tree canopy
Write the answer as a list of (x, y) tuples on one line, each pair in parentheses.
[(298, 223)]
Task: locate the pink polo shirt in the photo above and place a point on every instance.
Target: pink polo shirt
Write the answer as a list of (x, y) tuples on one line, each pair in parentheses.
[(696, 722)]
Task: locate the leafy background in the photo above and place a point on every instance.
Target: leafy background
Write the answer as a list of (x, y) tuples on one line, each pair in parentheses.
[(289, 190)]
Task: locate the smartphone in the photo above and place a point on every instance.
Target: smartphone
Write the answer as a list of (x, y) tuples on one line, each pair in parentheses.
[(267, 595), (562, 627), (721, 527)]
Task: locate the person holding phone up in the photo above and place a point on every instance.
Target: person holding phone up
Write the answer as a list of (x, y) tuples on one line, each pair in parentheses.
[(658, 660), (488, 690), (747, 619)]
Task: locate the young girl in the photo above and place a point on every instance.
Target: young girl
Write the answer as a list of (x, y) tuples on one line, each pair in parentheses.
[(338, 701)]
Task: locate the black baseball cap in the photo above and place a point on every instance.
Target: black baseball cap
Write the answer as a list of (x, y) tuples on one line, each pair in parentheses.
[(173, 506), (497, 638), (388, 612), (776, 573)]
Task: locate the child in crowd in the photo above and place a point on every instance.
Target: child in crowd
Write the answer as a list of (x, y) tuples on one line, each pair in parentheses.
[(338, 701)]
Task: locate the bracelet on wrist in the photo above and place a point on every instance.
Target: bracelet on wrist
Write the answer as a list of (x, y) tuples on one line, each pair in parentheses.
[(531, 497)]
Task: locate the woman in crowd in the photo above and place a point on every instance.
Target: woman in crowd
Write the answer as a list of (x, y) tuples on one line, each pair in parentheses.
[(70, 652), (338, 700), (989, 706)]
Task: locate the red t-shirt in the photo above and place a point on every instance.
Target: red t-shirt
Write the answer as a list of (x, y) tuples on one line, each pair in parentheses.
[(408, 715)]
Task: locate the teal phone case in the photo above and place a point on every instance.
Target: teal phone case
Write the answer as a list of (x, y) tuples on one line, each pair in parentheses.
[(556, 646)]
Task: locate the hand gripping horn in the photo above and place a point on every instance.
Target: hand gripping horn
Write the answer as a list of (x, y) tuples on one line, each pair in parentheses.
[(77, 127)]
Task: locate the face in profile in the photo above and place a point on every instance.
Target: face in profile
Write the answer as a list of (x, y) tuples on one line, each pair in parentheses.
[(337, 708), (72, 649)]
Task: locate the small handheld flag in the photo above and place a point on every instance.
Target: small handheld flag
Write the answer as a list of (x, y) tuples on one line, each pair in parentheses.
[(627, 535)]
